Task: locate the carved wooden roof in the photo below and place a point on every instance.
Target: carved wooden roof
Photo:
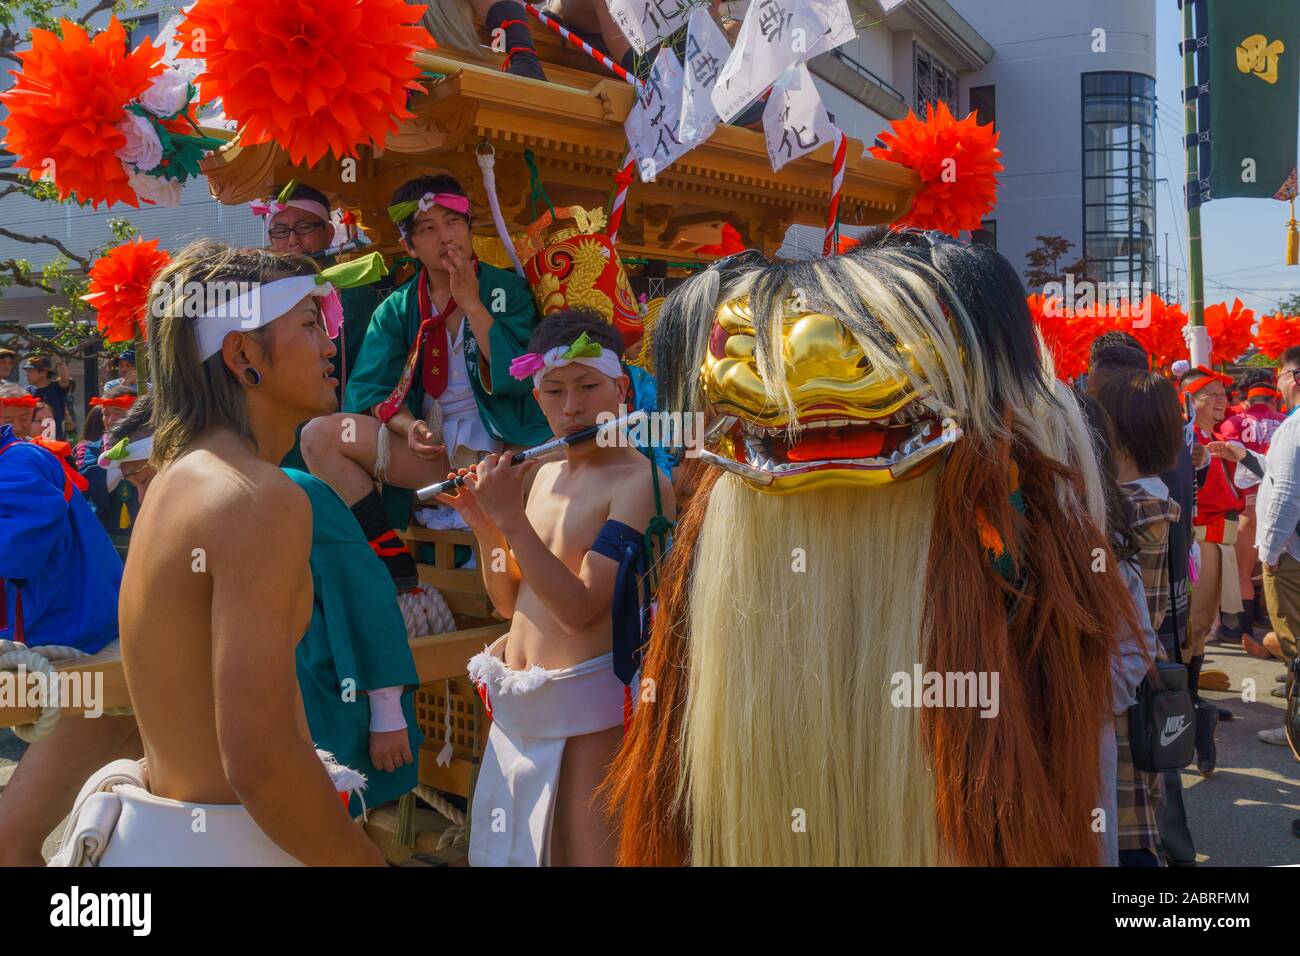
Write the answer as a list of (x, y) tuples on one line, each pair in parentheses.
[(574, 126)]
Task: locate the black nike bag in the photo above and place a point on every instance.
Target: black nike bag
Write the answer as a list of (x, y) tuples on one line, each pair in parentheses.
[(1162, 724)]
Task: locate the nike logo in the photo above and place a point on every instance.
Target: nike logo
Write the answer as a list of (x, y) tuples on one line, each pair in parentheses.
[(1174, 727)]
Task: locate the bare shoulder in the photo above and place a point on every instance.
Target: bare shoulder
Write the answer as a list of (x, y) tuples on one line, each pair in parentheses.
[(633, 494), (249, 502)]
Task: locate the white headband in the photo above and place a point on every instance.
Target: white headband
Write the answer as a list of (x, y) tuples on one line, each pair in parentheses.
[(607, 363), (252, 309), (137, 450), (269, 209)]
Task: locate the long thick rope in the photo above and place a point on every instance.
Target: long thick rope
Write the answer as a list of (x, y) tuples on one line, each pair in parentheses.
[(36, 660), (424, 611), (456, 835)]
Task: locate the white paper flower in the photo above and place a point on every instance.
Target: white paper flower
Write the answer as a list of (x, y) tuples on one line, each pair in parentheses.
[(168, 94), (142, 149), (156, 189)]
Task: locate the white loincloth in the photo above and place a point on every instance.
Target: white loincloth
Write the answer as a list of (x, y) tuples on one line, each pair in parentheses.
[(116, 821), (534, 712)]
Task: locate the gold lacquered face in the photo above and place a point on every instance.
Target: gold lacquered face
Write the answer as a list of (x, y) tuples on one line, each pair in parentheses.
[(859, 425)]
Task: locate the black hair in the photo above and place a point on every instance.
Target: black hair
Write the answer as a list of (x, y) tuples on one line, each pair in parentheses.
[(93, 430), (1255, 376), (1291, 356), (1119, 514), (1112, 340), (136, 421), (1146, 417), (1112, 360), (311, 193), (417, 187), (989, 286), (562, 327)]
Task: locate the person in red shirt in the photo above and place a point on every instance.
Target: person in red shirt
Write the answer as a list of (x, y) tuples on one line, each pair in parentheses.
[(1218, 507), (1253, 428)]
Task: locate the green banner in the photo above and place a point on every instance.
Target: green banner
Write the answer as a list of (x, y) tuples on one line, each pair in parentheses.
[(1254, 97)]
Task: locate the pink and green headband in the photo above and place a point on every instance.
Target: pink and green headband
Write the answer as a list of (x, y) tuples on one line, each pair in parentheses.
[(403, 211), (583, 351)]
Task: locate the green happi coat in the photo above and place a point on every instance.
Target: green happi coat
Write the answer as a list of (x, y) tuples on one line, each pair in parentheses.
[(509, 411), (359, 304), (356, 635)]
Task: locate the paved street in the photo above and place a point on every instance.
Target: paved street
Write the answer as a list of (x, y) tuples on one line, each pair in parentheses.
[(1240, 817)]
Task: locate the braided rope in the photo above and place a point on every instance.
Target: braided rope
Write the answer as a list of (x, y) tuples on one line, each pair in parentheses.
[(424, 611), (14, 655), (456, 835)]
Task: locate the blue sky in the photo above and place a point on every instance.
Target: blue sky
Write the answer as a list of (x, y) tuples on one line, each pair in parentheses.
[(1244, 239)]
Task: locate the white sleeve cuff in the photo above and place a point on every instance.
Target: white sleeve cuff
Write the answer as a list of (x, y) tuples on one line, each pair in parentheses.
[(386, 710)]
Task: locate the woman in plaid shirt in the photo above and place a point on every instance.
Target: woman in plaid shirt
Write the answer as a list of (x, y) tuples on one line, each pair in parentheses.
[(1146, 434)]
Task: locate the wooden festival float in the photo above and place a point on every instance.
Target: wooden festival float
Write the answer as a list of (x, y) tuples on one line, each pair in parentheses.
[(573, 125)]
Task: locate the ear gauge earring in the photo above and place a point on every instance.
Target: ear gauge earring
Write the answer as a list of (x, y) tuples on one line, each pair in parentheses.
[(253, 377)]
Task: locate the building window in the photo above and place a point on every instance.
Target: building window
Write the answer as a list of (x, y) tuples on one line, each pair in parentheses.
[(1119, 172), (984, 104), (146, 28), (934, 81), (986, 234)]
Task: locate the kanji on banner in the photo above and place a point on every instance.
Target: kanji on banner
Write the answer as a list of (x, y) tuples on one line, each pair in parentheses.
[(653, 126), (776, 35), (646, 22), (707, 50), (795, 121), (839, 28)]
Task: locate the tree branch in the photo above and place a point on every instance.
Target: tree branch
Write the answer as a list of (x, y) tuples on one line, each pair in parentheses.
[(81, 261), (26, 279), (39, 343), (102, 5)]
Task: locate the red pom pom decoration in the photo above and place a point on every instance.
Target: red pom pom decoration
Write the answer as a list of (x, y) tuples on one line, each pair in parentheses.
[(67, 102), (1276, 334), (957, 161), (1229, 330), (119, 287), (1159, 327), (1067, 333), (316, 77)]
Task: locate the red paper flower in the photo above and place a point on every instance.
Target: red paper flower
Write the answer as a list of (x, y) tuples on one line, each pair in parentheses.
[(958, 165), (1276, 334), (1229, 331), (65, 106), (314, 77), (119, 287), (1067, 334), (1159, 327)]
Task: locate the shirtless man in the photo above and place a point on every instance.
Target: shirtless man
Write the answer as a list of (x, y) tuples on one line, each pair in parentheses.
[(217, 591), (557, 706)]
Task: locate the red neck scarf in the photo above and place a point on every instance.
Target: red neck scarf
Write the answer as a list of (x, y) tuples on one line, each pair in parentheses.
[(431, 350)]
